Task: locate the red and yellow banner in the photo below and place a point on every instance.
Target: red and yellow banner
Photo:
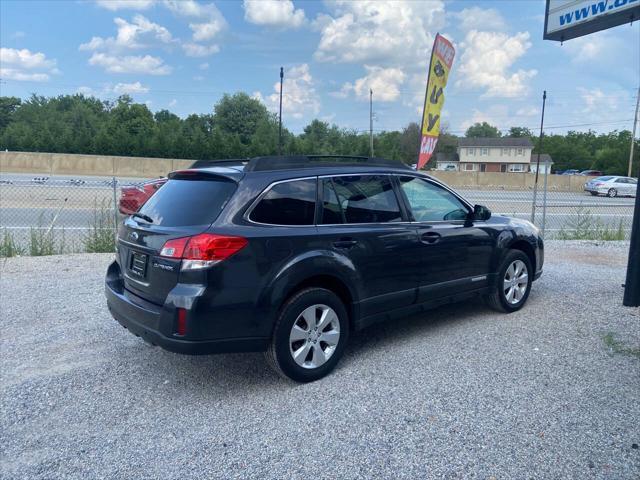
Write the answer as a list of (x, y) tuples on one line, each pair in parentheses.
[(441, 61)]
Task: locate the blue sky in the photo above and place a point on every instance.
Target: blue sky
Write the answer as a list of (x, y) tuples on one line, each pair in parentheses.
[(183, 55)]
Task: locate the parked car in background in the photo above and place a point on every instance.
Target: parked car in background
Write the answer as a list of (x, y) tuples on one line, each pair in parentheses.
[(133, 197), (291, 255), (592, 173), (612, 186), (571, 172)]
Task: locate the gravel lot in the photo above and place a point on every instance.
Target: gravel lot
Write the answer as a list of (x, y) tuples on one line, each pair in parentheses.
[(459, 393)]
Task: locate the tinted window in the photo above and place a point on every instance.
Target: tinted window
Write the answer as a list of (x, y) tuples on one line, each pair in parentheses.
[(431, 203), (331, 209), (604, 179), (287, 203), (633, 180), (361, 199), (188, 202)]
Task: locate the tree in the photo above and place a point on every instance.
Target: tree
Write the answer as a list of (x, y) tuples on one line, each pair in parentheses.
[(482, 130), (240, 114), (8, 105), (519, 132)]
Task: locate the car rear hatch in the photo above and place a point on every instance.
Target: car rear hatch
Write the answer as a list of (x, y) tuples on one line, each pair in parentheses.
[(185, 206)]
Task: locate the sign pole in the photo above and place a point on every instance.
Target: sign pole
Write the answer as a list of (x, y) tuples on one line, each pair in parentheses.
[(280, 116), (633, 135), (632, 283), (371, 123), (535, 184)]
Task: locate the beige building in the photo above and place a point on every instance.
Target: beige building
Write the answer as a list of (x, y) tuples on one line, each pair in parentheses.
[(494, 154)]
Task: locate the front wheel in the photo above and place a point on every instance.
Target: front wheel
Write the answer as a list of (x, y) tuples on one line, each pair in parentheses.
[(310, 335), (595, 194), (612, 193), (513, 283)]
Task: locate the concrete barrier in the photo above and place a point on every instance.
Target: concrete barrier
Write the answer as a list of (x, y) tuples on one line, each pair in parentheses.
[(105, 165)]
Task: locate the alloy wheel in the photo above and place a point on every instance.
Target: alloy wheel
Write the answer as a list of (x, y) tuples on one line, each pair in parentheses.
[(314, 336), (516, 280), (612, 192)]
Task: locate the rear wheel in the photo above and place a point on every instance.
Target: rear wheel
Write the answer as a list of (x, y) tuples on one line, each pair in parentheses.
[(513, 283), (612, 192), (595, 194), (310, 335)]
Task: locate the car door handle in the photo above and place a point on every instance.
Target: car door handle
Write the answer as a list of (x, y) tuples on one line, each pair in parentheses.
[(430, 238), (345, 243)]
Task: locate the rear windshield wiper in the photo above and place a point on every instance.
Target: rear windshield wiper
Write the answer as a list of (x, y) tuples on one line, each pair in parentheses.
[(144, 217)]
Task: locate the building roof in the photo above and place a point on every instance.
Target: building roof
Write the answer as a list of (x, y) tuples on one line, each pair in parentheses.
[(495, 142)]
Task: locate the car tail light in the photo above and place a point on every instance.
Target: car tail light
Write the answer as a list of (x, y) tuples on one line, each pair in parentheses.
[(204, 250), (181, 327)]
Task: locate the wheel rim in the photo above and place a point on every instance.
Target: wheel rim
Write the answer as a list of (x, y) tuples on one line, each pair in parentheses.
[(314, 336), (613, 192), (516, 279)]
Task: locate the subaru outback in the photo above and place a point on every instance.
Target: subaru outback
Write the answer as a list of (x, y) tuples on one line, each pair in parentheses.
[(291, 255)]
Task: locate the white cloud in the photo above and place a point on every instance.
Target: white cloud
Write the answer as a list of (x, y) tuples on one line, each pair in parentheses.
[(84, 90), (198, 78), (197, 50), (18, 34), (273, 13), (210, 21), (396, 33), (384, 82), (130, 88), (486, 60), (299, 96), (141, 33), (492, 115), (203, 66), (25, 65), (114, 5), (529, 111), (476, 18), (130, 64), (173, 103)]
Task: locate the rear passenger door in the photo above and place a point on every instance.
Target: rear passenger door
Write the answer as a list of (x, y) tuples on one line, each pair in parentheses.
[(362, 219), (455, 253)]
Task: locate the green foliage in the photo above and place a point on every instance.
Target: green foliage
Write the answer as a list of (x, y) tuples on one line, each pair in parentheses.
[(101, 236), (482, 130), (8, 245), (616, 346), (584, 226), (240, 126)]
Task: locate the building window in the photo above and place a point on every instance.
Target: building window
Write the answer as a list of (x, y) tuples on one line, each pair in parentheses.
[(484, 151), (469, 167), (471, 151), (516, 167), (521, 151), (505, 152), (483, 167), (503, 167)]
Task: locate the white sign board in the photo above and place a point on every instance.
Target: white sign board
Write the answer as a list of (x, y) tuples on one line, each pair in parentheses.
[(566, 19)]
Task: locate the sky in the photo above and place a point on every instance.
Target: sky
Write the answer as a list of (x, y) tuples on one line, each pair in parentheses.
[(183, 55)]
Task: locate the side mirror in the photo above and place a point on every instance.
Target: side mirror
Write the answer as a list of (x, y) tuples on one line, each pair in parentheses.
[(480, 212)]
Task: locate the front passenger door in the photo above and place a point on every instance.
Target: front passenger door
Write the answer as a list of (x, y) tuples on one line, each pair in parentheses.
[(455, 252)]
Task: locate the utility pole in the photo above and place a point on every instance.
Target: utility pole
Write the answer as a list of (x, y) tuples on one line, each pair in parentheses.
[(535, 184), (280, 121), (631, 296), (633, 135), (371, 122)]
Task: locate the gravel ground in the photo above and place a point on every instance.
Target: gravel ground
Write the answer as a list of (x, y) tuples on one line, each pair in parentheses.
[(552, 391)]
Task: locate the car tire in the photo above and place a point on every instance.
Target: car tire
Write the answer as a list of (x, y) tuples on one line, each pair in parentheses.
[(612, 193), (318, 347), (595, 194), (510, 297)]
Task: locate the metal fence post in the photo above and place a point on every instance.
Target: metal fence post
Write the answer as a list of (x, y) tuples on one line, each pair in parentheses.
[(544, 197), (115, 211)]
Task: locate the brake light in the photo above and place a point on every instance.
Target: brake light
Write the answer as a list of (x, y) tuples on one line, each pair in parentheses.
[(204, 250)]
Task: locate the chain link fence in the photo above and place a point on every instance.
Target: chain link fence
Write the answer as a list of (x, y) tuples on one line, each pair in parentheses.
[(42, 215)]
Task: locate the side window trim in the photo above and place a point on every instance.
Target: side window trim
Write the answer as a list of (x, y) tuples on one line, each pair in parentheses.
[(254, 204), (405, 200)]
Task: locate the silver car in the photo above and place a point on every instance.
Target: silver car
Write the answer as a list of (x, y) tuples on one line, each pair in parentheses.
[(612, 186)]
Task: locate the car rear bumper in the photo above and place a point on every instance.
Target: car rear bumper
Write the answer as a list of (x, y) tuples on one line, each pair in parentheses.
[(146, 320)]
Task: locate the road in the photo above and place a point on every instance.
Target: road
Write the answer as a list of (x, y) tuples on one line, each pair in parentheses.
[(71, 203)]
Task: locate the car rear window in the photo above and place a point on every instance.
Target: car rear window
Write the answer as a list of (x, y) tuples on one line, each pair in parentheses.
[(188, 202)]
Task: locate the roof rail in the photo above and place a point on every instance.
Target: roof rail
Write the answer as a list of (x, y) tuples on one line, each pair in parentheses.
[(285, 162)]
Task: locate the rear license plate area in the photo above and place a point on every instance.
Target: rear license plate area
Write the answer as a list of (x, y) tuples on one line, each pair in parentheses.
[(138, 264)]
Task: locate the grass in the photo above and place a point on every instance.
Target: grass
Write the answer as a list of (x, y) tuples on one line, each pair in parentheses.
[(9, 247), (615, 346), (101, 236), (587, 227)]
